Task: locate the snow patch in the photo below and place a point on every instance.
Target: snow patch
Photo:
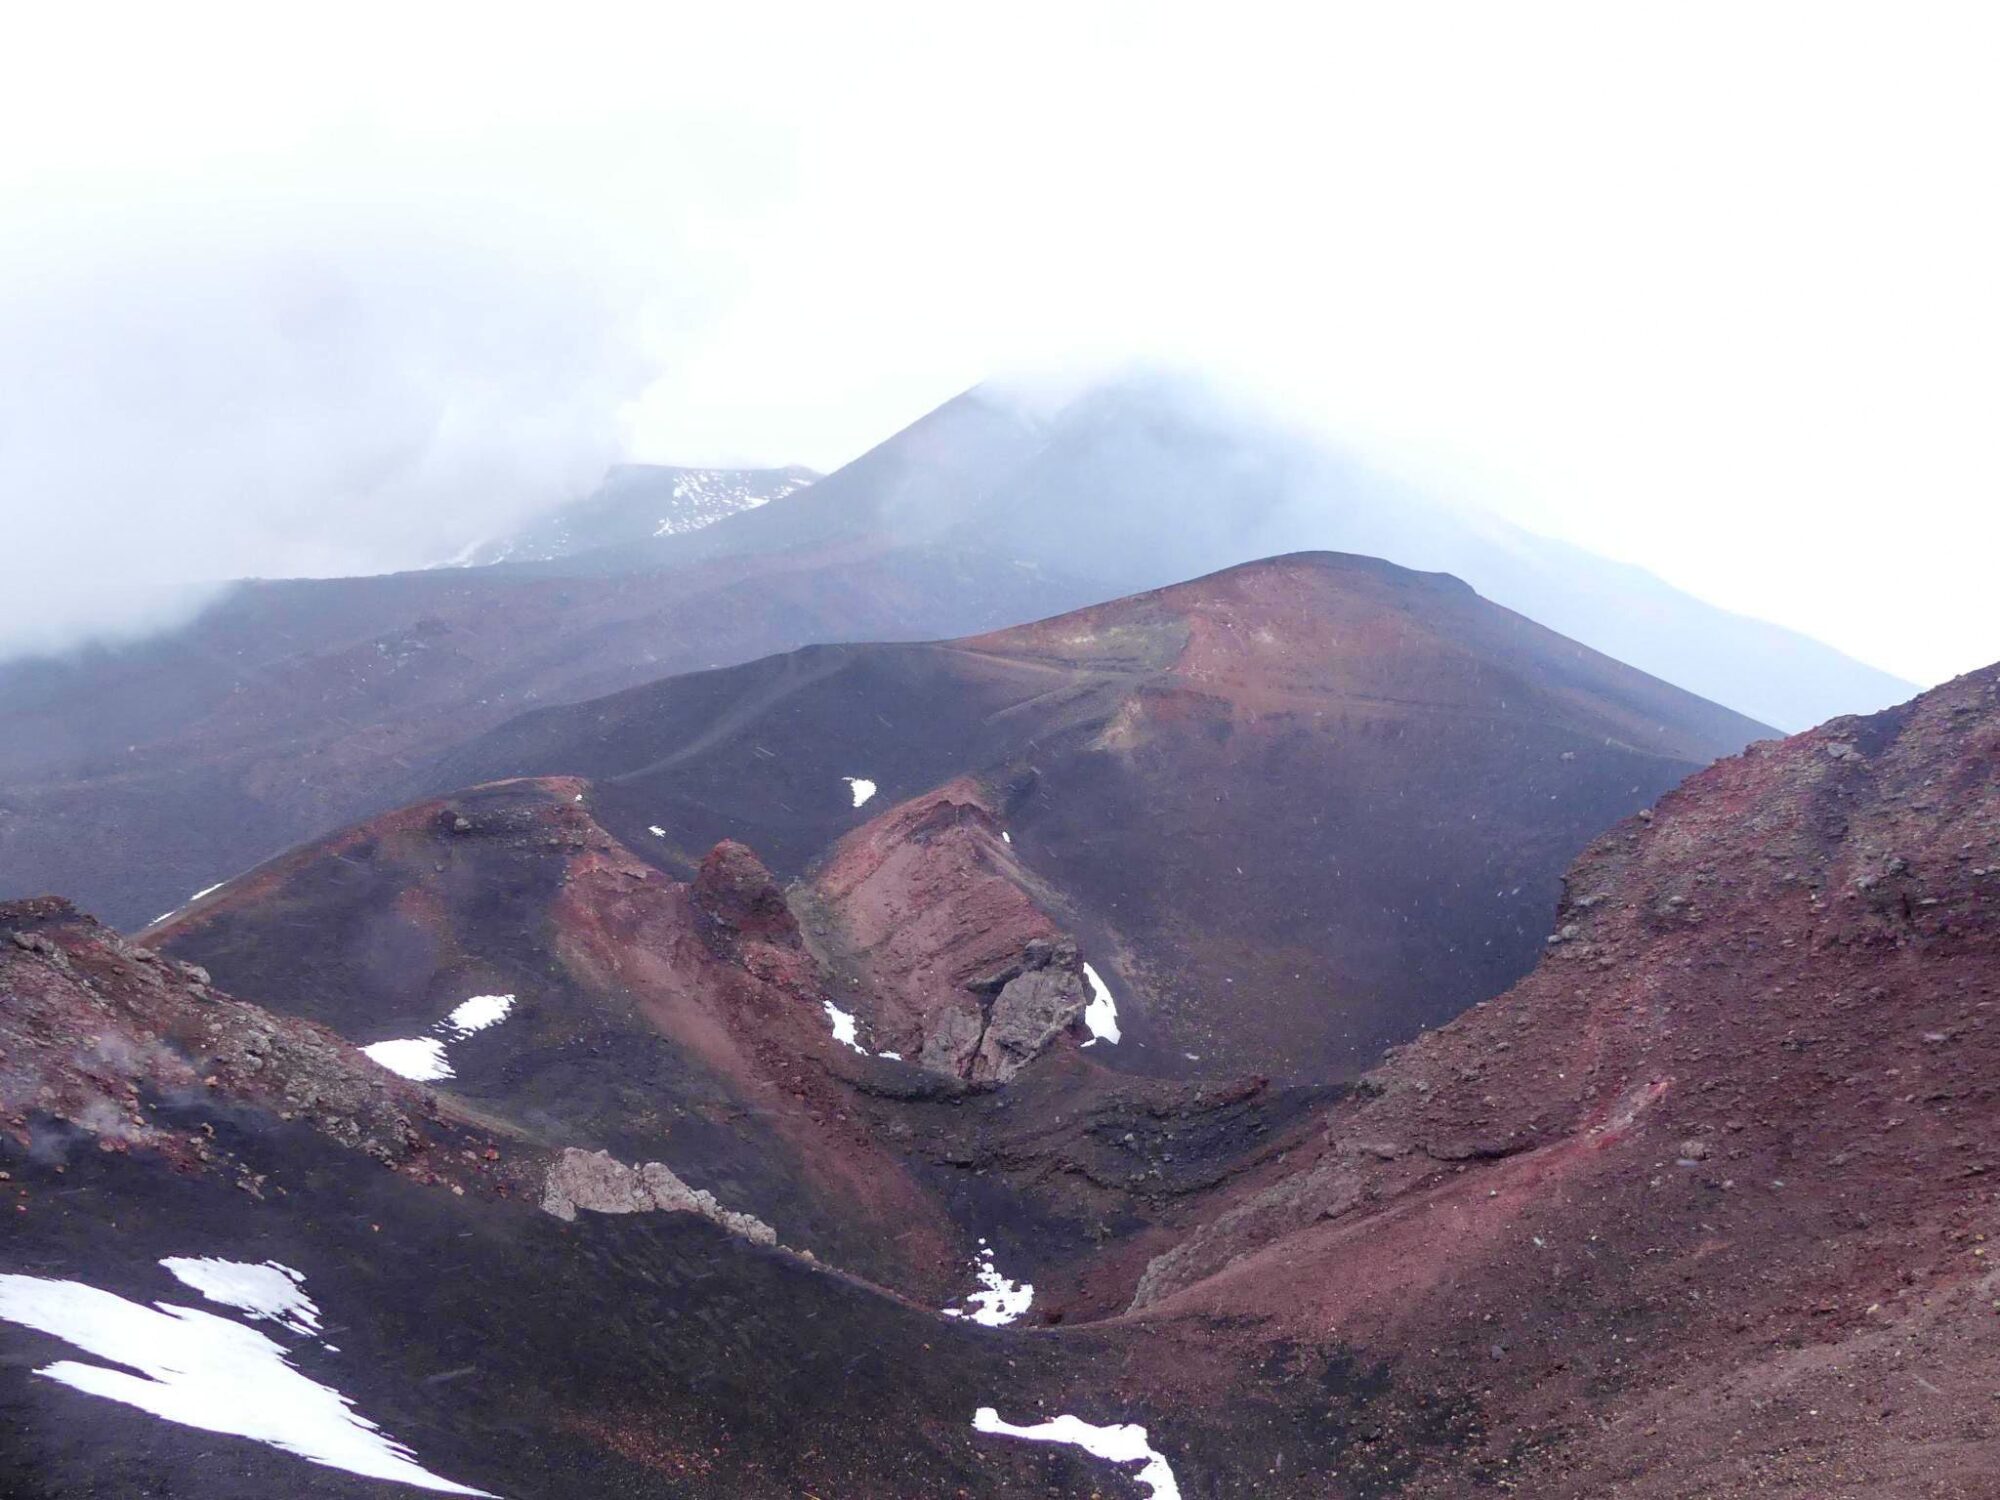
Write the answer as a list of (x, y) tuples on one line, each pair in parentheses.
[(861, 787), (207, 890), (269, 1291), (478, 1013), (1119, 1443), (423, 1058), (656, 830), (998, 1301), (1101, 1015), (419, 1057), (708, 495), (1006, 837), (207, 1372), (844, 1029)]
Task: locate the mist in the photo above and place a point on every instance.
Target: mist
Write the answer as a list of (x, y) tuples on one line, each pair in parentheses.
[(1150, 476), (278, 301), (323, 392)]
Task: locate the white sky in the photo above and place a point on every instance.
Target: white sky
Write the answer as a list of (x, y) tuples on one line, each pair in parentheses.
[(1708, 287)]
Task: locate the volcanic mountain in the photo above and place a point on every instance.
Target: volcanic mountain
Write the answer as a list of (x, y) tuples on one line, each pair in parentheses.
[(132, 776), (1296, 811), (606, 1043), (1702, 1206), (1153, 478)]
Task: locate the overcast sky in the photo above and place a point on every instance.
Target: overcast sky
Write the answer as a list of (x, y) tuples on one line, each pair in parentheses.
[(1708, 288)]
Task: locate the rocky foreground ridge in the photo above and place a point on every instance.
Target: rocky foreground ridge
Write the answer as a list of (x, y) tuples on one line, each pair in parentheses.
[(1709, 1201), (1704, 1205)]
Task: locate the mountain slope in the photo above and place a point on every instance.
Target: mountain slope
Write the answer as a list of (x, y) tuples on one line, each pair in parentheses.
[(332, 1282), (133, 777), (1704, 1205), (1708, 1199), (130, 777), (1340, 787), (693, 1024)]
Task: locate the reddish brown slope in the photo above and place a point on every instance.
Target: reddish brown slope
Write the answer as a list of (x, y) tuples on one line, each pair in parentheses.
[(612, 1352), (1707, 1204), (655, 1019), (686, 1023), (112, 1041), (1297, 809)]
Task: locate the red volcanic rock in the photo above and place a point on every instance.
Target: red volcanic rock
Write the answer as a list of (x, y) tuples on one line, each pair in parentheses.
[(687, 1024), (1695, 1196), (942, 935), (677, 1022), (107, 1038), (734, 889)]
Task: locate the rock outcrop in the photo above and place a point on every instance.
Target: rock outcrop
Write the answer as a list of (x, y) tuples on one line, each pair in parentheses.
[(104, 1038), (926, 914), (1020, 1012), (736, 893), (599, 1182)]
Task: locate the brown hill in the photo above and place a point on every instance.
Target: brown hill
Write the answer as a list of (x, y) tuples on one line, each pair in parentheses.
[(1336, 789)]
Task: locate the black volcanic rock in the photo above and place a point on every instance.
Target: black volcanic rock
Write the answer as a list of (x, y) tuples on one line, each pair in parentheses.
[(513, 1318), (1694, 1209), (687, 1025)]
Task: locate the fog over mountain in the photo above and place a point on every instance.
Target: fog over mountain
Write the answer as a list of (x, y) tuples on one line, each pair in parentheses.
[(1151, 477), (309, 398), (280, 307), (635, 505)]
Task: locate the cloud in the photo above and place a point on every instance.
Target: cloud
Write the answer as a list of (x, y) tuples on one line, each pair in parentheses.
[(198, 391), (279, 299), (1710, 293)]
